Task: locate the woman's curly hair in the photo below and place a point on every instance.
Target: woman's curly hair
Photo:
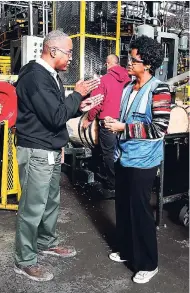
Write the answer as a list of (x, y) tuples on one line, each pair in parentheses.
[(150, 50)]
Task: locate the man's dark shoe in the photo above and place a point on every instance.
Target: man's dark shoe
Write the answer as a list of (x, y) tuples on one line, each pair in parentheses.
[(66, 251), (34, 272), (108, 193)]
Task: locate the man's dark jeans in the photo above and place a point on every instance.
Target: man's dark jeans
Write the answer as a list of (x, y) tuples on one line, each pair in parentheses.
[(107, 140)]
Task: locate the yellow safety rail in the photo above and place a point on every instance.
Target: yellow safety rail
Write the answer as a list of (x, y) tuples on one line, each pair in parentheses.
[(10, 176), (82, 36)]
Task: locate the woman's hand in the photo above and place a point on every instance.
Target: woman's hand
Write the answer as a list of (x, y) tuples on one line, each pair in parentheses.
[(113, 125)]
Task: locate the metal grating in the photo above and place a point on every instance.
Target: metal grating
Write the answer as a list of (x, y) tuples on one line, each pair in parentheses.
[(71, 76), (10, 173), (96, 51), (68, 16), (101, 18), (100, 21)]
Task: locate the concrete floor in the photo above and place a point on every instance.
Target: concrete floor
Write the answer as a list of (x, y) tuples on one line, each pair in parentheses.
[(88, 224)]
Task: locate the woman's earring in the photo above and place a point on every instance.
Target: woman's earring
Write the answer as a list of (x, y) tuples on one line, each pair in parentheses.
[(147, 68)]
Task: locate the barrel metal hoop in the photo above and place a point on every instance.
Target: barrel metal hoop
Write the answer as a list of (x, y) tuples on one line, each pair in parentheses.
[(85, 135), (90, 134), (79, 127)]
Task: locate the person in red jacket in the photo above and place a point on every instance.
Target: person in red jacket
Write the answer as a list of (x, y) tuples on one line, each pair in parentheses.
[(111, 86)]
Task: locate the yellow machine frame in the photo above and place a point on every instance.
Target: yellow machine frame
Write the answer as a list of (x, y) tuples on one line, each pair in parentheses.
[(10, 176), (5, 64), (83, 35), (9, 78)]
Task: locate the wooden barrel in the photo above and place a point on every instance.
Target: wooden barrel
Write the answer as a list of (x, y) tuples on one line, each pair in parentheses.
[(80, 136)]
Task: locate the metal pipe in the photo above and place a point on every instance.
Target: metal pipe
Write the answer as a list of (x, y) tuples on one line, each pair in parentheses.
[(162, 28), (131, 19), (183, 22), (11, 4), (46, 10), (144, 11), (165, 50), (21, 5), (166, 17), (43, 19), (178, 78), (30, 18), (91, 8), (3, 15), (155, 12)]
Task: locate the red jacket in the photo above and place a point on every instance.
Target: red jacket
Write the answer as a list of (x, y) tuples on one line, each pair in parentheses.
[(111, 86)]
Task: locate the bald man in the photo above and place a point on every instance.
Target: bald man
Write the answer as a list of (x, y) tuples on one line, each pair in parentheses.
[(112, 60), (41, 133), (111, 86)]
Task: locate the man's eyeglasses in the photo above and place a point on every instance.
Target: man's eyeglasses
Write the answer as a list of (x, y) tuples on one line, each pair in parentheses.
[(68, 53), (134, 60)]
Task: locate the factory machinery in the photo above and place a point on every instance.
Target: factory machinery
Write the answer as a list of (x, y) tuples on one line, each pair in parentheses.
[(19, 19), (99, 28)]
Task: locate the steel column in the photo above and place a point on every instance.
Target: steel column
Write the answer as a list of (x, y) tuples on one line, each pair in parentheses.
[(46, 18), (54, 25)]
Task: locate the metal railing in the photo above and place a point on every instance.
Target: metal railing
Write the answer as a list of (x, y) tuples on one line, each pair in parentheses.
[(9, 170)]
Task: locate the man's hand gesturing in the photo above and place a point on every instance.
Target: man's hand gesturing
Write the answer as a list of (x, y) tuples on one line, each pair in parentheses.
[(85, 87), (91, 102)]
